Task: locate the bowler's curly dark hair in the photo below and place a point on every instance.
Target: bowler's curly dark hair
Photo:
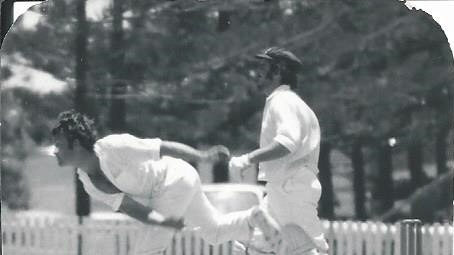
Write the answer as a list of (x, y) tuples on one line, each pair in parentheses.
[(74, 125)]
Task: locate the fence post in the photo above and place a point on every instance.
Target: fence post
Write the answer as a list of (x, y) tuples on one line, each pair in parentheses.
[(410, 237), (80, 223)]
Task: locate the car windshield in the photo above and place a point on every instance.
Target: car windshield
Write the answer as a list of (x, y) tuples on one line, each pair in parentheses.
[(230, 201)]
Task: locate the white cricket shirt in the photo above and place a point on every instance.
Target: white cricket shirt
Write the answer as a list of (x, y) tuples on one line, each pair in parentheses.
[(133, 165), (288, 120)]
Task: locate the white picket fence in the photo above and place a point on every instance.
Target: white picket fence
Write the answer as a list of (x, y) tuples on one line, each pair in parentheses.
[(62, 236), (377, 238)]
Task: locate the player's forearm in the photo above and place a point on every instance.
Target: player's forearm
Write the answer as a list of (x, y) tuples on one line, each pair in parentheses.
[(147, 215), (179, 150), (273, 151), (138, 211), (134, 211)]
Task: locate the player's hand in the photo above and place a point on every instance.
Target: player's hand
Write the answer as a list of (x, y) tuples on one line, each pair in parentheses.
[(216, 153), (239, 165)]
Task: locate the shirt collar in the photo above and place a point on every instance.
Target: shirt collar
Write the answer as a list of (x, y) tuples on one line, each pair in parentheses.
[(277, 90)]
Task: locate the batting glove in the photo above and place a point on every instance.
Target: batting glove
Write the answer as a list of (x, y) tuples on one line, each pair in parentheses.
[(238, 164)]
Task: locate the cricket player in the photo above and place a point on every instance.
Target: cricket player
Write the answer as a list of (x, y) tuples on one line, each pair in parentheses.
[(148, 180), (289, 151)]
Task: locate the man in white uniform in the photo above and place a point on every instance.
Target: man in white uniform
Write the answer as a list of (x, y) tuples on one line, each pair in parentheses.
[(148, 180), (289, 150)]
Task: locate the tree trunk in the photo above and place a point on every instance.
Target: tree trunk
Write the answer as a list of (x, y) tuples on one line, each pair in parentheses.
[(444, 124), (444, 128), (80, 99), (224, 20), (81, 103), (325, 175), (117, 69), (385, 186), (415, 164), (359, 182), (118, 107), (7, 16), (441, 99), (441, 149)]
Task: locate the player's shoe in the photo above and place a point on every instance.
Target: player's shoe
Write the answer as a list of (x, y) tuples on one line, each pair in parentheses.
[(296, 241), (256, 245), (269, 227), (290, 239)]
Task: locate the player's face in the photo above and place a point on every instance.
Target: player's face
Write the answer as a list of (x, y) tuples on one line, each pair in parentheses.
[(266, 81), (64, 153)]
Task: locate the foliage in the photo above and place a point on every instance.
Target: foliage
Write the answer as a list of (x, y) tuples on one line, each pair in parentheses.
[(372, 69)]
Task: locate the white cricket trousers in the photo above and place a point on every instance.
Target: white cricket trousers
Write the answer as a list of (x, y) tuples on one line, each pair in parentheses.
[(183, 197), (293, 198)]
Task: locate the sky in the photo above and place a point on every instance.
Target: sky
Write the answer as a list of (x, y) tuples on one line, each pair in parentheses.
[(24, 75), (94, 8), (94, 11)]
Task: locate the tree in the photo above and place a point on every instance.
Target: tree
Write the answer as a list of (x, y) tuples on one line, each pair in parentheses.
[(384, 187), (415, 164), (425, 203), (359, 183), (15, 194), (7, 10), (81, 101), (440, 99), (168, 69), (117, 69), (326, 180)]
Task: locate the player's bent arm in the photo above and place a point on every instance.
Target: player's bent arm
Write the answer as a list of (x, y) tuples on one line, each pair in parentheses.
[(147, 215), (180, 150), (136, 210), (272, 151), (190, 154)]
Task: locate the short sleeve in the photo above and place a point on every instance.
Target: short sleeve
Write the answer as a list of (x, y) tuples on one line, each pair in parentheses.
[(290, 126), (127, 144), (116, 200)]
